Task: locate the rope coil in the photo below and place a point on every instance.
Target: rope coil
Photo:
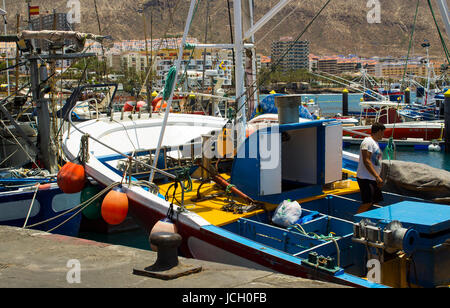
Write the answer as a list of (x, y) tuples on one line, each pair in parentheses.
[(84, 149)]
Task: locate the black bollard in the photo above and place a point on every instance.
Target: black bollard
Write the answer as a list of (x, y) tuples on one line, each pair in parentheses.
[(407, 96), (167, 266), (345, 102), (447, 121), (167, 244)]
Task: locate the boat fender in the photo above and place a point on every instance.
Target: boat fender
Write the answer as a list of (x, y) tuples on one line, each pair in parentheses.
[(71, 178), (115, 206), (164, 225), (94, 210), (434, 148), (287, 213)]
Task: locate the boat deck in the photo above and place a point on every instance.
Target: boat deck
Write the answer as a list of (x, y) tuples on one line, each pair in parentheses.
[(211, 209)]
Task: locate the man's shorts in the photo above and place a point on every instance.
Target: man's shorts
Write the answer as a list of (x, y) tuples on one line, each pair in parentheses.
[(370, 192)]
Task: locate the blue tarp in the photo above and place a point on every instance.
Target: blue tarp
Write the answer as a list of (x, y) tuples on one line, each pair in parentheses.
[(268, 106)]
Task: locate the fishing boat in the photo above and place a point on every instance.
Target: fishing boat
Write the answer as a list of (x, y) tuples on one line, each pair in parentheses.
[(419, 130), (40, 204), (390, 114), (226, 215), (29, 194), (393, 94), (221, 190)]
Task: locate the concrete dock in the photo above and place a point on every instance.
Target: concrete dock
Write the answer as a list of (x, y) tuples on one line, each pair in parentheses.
[(34, 259)]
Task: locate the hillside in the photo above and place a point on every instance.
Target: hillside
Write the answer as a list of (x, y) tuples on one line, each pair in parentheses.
[(341, 29)]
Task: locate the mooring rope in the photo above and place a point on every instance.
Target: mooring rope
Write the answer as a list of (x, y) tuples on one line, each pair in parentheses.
[(83, 205)]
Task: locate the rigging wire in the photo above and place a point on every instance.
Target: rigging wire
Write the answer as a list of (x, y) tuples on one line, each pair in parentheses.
[(446, 51), (410, 43), (277, 25), (274, 66), (100, 33)]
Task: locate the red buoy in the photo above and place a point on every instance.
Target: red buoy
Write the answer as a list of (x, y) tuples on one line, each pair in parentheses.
[(71, 178), (129, 106), (140, 105), (115, 206)]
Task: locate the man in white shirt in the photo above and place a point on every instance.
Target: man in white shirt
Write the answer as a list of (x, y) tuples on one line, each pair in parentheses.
[(369, 169)]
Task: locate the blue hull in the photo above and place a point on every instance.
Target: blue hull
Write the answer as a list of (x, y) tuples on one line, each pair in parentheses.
[(14, 207)]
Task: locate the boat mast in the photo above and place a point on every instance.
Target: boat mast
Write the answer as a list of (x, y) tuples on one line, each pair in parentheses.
[(239, 72), (427, 99), (250, 66), (239, 54), (7, 62)]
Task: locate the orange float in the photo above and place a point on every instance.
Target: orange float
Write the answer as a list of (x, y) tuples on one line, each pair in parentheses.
[(71, 178), (164, 105), (115, 206)]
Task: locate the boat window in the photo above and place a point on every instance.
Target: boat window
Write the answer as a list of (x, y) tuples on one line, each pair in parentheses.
[(63, 202), (18, 209)]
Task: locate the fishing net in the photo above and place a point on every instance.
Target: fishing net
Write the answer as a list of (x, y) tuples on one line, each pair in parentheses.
[(389, 152)]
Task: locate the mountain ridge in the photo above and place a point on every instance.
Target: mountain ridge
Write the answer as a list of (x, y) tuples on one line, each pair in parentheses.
[(342, 28)]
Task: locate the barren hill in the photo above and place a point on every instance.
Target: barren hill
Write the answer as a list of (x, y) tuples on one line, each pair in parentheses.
[(342, 27)]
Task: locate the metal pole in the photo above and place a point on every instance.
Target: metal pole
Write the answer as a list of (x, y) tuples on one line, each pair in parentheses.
[(17, 53), (345, 102), (6, 48), (239, 72), (250, 66), (407, 96), (150, 85), (169, 103), (147, 87), (47, 151), (204, 52), (447, 121)]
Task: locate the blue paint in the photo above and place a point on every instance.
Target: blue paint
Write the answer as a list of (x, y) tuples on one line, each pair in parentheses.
[(246, 170), (289, 245), (45, 198), (432, 222), (426, 218)]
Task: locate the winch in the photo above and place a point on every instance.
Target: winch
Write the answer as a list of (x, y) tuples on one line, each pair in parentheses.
[(410, 242), (392, 238)]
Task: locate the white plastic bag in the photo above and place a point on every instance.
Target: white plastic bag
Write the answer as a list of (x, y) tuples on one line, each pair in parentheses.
[(287, 213)]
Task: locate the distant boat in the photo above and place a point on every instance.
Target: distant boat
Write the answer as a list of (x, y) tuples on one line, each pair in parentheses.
[(393, 94)]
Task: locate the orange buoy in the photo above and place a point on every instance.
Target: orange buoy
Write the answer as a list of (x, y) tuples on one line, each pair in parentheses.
[(71, 178), (115, 206), (164, 105), (164, 225)]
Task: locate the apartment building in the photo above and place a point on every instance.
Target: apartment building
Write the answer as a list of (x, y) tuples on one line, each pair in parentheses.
[(212, 68), (290, 55)]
